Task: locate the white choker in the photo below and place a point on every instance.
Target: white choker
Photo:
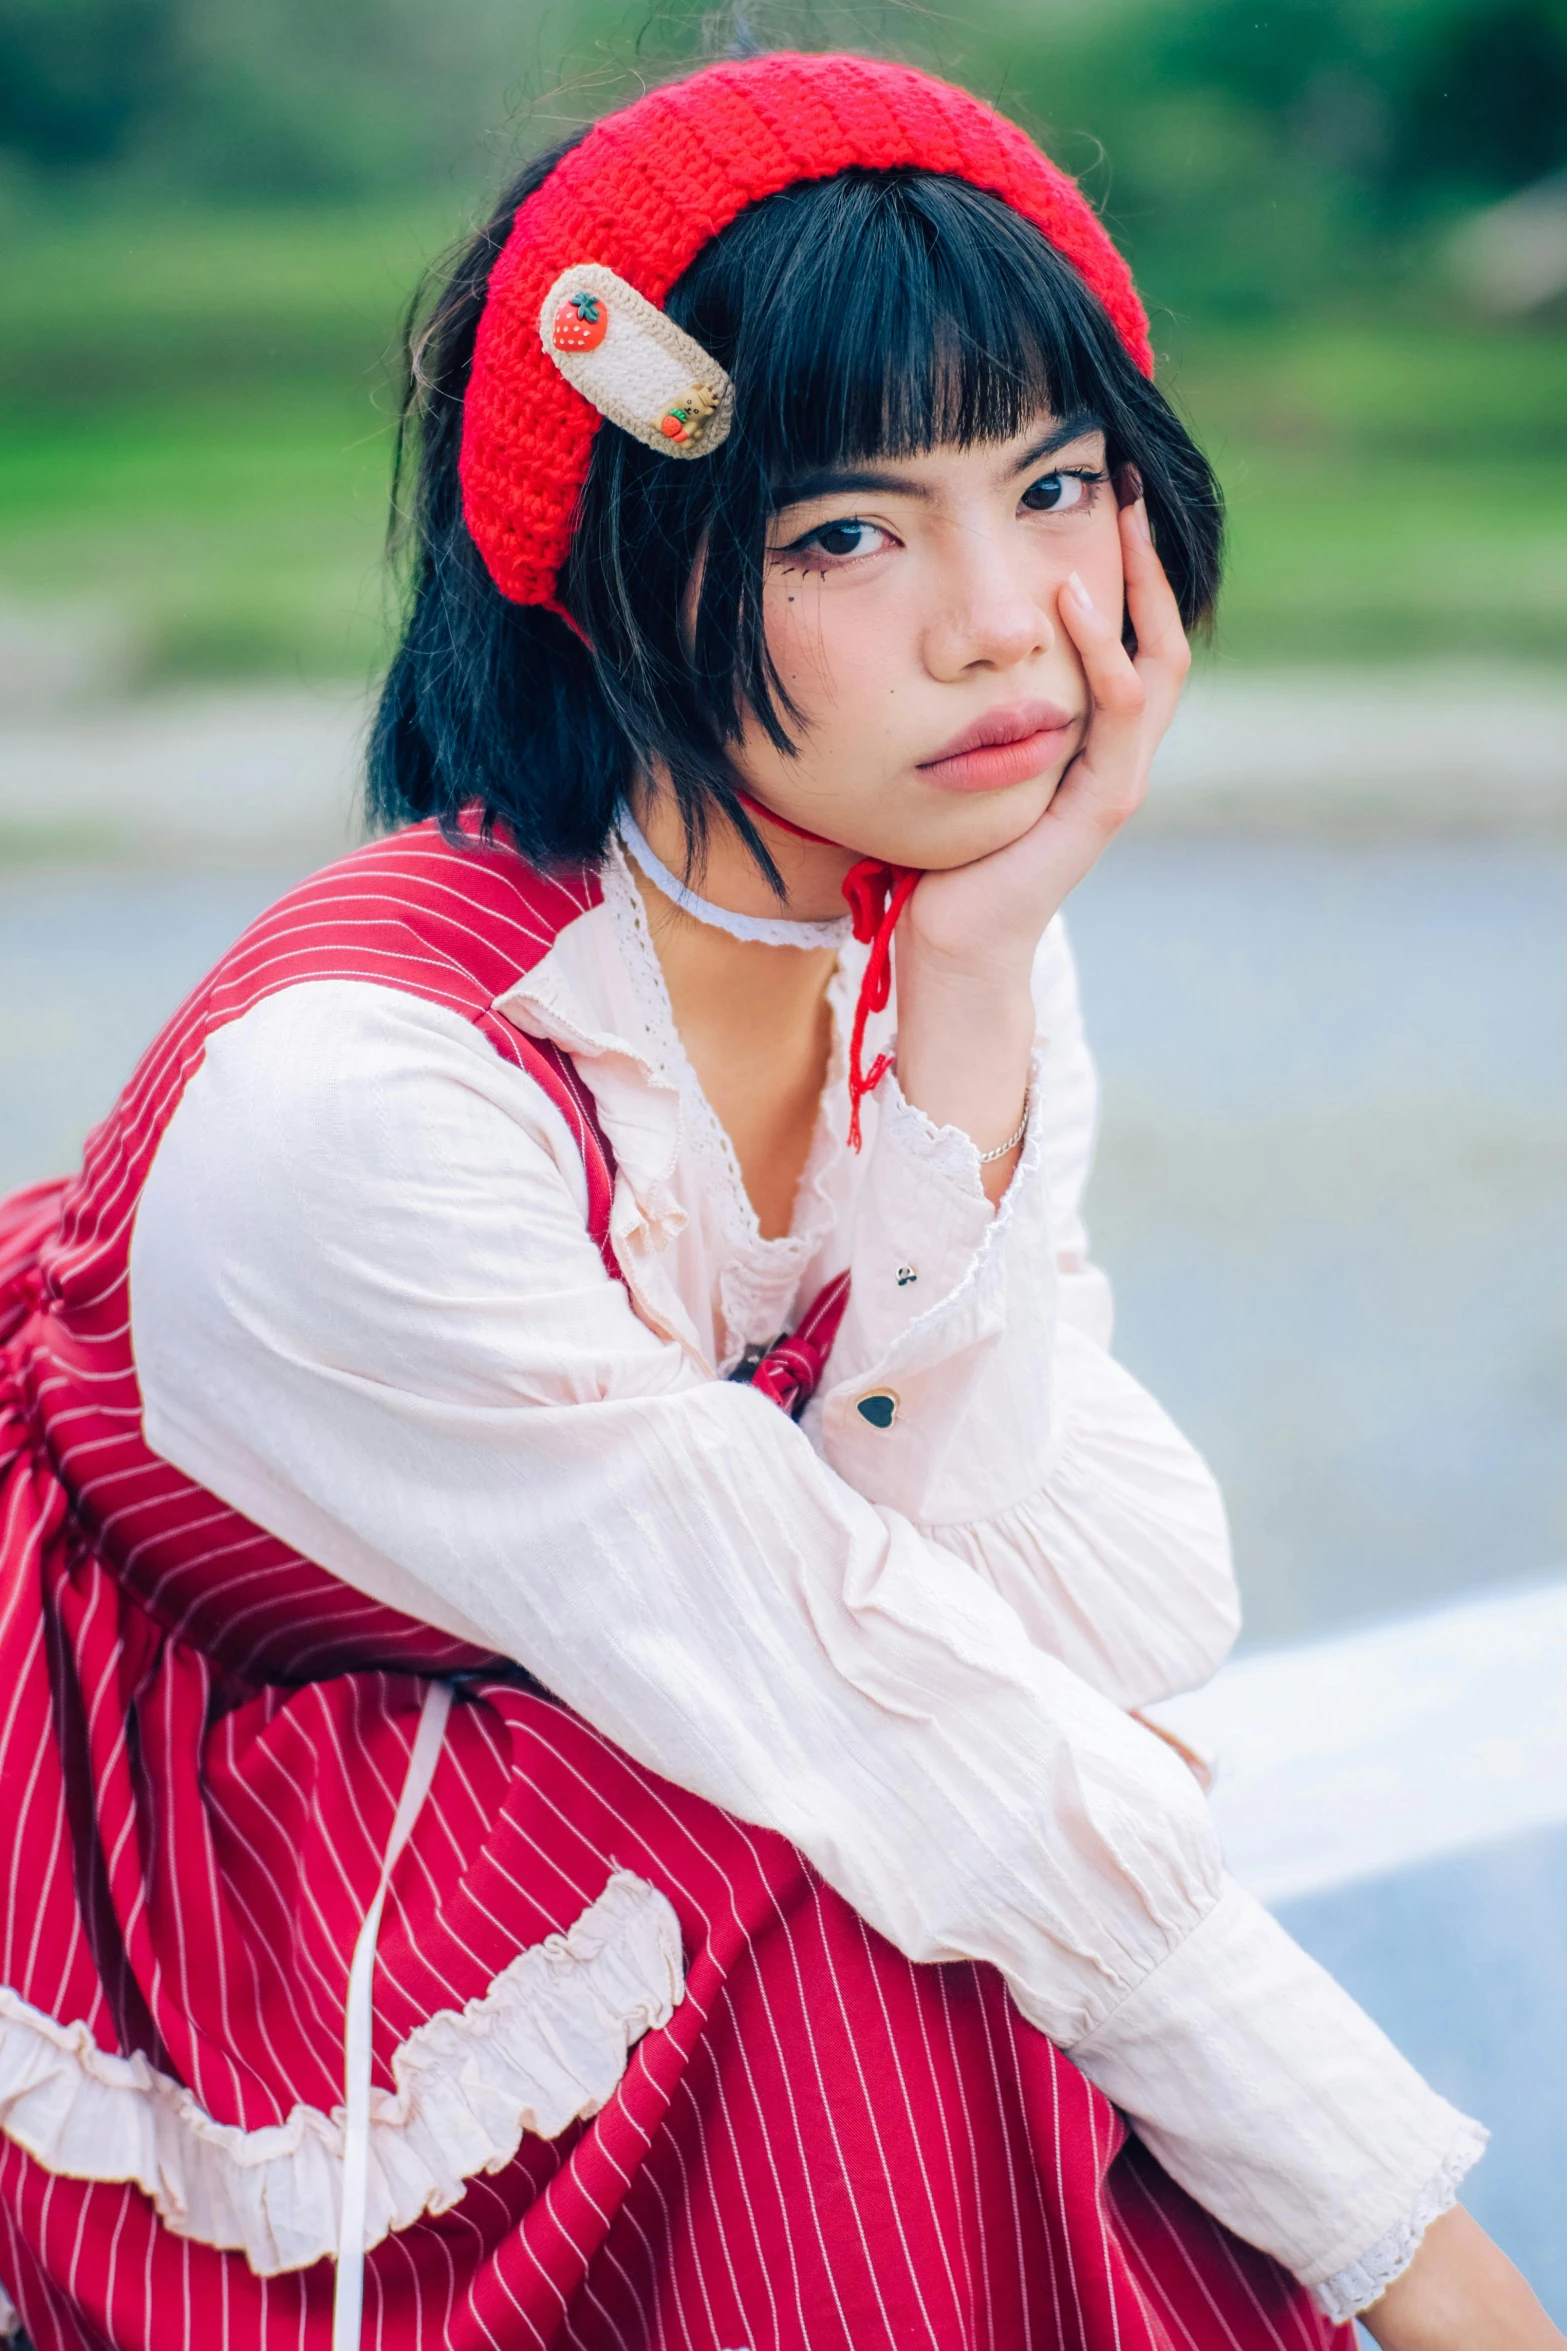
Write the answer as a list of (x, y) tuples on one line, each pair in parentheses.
[(762, 930)]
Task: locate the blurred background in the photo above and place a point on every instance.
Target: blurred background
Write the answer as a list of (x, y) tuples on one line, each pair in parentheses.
[(1327, 974)]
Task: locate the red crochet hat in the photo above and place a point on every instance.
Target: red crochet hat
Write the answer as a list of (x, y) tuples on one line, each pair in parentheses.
[(649, 187)]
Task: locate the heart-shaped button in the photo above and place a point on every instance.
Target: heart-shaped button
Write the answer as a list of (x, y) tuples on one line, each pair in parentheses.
[(880, 1408)]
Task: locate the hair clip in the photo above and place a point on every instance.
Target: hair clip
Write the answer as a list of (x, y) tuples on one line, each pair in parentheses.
[(635, 365)]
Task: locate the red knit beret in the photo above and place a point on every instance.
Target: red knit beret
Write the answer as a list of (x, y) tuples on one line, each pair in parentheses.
[(650, 186)]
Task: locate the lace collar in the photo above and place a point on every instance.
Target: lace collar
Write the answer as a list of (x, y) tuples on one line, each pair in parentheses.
[(758, 1278)]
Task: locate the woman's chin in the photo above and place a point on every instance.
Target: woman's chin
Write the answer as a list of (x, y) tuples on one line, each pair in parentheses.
[(958, 830), (912, 822)]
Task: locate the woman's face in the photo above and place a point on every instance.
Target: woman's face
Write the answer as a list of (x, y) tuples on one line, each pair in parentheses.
[(911, 611)]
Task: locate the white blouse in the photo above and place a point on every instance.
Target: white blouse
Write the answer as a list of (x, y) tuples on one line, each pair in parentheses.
[(367, 1313)]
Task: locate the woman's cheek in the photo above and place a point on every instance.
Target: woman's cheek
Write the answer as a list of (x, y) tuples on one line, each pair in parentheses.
[(795, 635), (825, 647)]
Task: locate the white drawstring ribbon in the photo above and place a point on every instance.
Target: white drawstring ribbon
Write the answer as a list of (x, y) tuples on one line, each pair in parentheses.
[(348, 2299)]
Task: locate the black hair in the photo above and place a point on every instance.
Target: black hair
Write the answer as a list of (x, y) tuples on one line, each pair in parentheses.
[(876, 312)]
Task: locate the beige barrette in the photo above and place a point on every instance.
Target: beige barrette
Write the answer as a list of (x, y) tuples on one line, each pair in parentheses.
[(634, 364)]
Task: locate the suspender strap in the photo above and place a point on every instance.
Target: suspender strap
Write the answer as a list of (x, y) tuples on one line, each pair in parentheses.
[(348, 2298)]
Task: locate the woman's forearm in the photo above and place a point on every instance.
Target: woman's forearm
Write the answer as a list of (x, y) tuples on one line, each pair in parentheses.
[(1460, 2293), (965, 1038)]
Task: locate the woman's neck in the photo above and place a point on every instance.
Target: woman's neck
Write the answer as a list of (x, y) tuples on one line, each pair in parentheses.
[(753, 1019), (764, 996), (812, 871)]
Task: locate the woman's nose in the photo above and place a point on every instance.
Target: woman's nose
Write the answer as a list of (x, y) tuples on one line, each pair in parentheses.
[(987, 616)]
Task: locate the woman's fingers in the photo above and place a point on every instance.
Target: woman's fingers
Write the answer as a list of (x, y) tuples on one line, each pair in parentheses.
[(1163, 654), (1108, 777), (1113, 682), (1133, 701)]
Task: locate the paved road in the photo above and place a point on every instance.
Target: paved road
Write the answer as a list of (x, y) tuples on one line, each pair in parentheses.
[(271, 773), (1333, 1193)]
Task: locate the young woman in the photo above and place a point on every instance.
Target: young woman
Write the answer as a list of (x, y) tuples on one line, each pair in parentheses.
[(578, 1572)]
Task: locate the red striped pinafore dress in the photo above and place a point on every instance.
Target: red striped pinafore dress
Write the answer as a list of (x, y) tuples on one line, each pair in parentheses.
[(203, 1739)]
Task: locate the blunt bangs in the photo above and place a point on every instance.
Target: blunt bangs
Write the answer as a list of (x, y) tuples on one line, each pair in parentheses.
[(884, 314), (872, 314)]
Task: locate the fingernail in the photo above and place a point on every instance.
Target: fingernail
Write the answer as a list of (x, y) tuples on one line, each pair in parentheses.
[(1140, 521), (1080, 593)]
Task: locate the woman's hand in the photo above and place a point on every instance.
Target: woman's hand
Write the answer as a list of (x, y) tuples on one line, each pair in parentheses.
[(989, 916), (966, 946), (1460, 2293)]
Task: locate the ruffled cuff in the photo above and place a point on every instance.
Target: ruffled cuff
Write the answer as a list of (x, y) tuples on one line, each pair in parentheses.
[(1274, 2100), (921, 1220), (938, 1395), (1366, 2279)]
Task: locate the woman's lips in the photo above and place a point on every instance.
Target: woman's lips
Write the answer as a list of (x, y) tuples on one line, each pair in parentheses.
[(1004, 747)]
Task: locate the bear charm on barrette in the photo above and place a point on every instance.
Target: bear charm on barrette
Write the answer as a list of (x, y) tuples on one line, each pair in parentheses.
[(686, 420)]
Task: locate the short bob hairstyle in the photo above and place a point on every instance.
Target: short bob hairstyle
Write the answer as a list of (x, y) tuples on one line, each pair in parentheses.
[(873, 313)]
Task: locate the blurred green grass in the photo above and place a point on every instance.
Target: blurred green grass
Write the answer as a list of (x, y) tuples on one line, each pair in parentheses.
[(196, 429), (195, 436), (1397, 490), (236, 537)]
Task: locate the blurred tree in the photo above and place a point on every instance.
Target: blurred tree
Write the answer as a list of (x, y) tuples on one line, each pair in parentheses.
[(287, 98), (1488, 104), (1264, 154), (1257, 155), (81, 79)]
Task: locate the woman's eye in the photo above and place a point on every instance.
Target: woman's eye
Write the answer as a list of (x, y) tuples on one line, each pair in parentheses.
[(842, 539), (1053, 493)]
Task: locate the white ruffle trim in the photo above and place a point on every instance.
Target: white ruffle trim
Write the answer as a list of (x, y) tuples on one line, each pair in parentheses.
[(545, 2046), (1354, 2289), (10, 2319)]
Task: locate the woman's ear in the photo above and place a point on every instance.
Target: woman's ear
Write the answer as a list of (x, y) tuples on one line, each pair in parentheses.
[(1128, 484)]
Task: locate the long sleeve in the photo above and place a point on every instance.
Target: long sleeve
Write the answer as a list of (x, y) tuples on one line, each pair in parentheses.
[(1015, 1438), (366, 1312)]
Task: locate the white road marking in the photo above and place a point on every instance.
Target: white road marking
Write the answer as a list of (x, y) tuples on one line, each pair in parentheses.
[(1348, 1758)]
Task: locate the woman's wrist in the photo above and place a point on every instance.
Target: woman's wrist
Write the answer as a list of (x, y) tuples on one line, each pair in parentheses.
[(965, 1044)]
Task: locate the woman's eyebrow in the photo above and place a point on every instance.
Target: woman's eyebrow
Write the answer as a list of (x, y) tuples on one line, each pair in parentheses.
[(1076, 427), (845, 481), (839, 482)]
